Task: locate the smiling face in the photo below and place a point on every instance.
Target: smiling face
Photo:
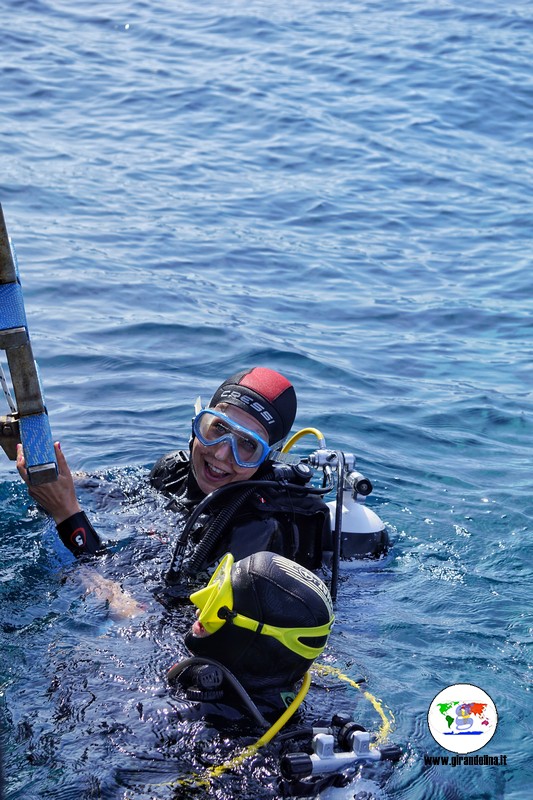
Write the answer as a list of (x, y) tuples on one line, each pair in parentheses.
[(213, 465)]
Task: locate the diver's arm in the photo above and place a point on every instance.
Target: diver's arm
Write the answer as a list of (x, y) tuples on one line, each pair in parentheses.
[(77, 534), (59, 500), (120, 604)]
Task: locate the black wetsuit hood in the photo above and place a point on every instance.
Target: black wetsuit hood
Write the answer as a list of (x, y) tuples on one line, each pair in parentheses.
[(270, 589)]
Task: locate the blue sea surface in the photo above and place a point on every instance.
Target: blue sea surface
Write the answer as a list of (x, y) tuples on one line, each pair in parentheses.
[(340, 191)]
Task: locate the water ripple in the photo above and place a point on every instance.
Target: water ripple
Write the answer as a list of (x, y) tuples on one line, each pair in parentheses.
[(342, 192)]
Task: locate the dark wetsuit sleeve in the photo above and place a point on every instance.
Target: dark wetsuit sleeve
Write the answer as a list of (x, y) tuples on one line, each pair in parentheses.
[(79, 536)]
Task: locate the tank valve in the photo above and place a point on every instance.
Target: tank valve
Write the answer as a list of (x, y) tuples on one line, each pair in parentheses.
[(325, 759)]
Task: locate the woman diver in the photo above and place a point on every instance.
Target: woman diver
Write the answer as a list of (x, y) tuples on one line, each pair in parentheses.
[(229, 485)]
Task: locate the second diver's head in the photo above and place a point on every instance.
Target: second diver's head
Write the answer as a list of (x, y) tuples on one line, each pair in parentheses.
[(264, 617), (248, 418)]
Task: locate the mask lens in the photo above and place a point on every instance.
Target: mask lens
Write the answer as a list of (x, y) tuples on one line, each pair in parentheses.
[(249, 449), (212, 427)]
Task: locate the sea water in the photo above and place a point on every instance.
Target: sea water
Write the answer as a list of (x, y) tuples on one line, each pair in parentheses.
[(341, 191)]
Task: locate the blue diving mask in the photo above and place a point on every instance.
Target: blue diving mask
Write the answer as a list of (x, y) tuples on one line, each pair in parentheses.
[(212, 427)]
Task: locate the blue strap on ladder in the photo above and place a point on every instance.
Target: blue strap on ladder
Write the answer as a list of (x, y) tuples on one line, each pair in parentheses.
[(29, 423)]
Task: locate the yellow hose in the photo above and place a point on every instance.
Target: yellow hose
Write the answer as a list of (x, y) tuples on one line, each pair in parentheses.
[(235, 761), (386, 723), (320, 669), (296, 436), (271, 732)]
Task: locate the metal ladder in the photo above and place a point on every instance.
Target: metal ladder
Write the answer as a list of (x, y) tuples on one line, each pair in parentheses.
[(28, 421)]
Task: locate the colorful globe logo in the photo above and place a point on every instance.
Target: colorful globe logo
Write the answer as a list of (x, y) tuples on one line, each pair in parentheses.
[(462, 718)]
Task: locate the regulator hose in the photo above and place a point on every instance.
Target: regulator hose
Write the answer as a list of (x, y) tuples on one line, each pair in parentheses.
[(215, 531), (176, 670), (216, 528), (174, 569)]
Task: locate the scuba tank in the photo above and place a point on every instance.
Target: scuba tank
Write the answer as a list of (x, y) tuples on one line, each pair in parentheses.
[(358, 531), (343, 743), (362, 532)]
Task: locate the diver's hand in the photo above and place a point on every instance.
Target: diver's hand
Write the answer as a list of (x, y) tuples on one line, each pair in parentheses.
[(57, 498)]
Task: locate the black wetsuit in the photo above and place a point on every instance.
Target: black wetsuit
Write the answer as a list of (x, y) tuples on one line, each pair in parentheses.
[(279, 519), (289, 522)]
